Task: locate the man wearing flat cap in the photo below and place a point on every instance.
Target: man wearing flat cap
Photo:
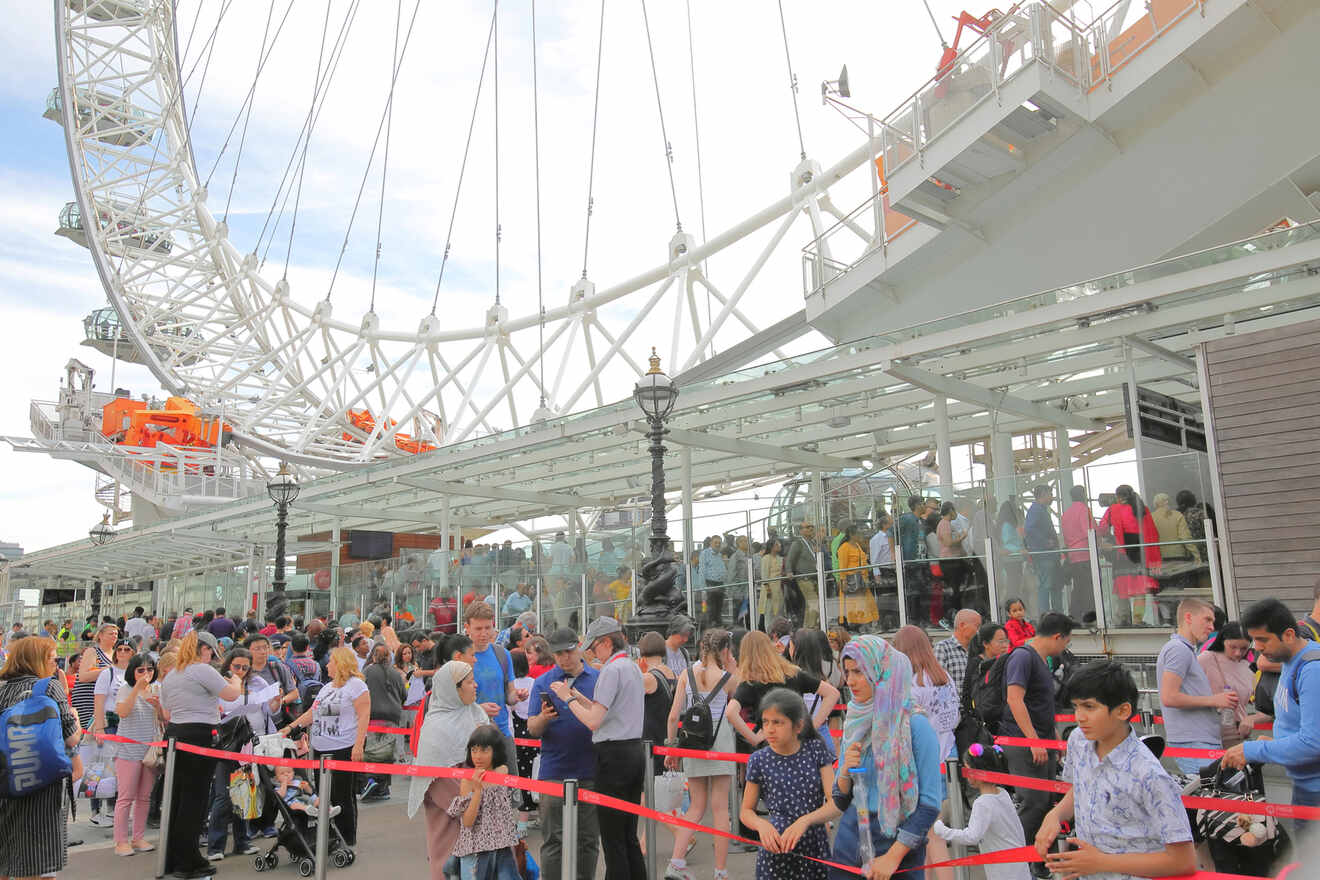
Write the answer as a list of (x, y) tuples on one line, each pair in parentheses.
[(614, 715)]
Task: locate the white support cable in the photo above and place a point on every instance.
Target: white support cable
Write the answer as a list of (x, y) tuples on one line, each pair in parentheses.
[(696, 129), (591, 163), (792, 82), (320, 58), (248, 103), (462, 167), (396, 64), (660, 109), (495, 91), (536, 161)]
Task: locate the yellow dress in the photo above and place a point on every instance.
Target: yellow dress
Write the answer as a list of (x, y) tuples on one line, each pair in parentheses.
[(859, 607), (622, 591)]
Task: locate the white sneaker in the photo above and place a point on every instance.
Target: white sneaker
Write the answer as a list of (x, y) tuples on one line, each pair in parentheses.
[(675, 873), (102, 820), (215, 856)]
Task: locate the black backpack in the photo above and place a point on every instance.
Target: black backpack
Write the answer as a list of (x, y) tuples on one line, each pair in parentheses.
[(697, 729), (989, 694)]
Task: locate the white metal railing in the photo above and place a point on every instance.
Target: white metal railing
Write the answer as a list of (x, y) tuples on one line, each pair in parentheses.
[(1086, 57)]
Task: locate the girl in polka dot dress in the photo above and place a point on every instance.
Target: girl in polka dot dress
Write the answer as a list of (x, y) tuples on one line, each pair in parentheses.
[(793, 775)]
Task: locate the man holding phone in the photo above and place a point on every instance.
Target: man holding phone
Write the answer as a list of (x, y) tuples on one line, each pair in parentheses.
[(566, 753)]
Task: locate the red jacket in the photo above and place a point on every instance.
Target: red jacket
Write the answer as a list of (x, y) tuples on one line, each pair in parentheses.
[(1018, 631)]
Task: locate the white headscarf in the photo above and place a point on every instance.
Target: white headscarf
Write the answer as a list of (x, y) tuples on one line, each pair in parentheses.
[(445, 729)]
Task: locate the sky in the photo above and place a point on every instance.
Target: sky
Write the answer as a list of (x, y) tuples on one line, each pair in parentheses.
[(744, 116)]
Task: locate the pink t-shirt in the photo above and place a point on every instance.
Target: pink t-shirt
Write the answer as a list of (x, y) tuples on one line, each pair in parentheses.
[(1076, 523)]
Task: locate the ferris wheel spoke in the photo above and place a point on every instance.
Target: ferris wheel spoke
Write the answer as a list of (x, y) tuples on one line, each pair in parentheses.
[(507, 393), (467, 401), (619, 343), (591, 359), (573, 328), (693, 317), (386, 427), (619, 351)]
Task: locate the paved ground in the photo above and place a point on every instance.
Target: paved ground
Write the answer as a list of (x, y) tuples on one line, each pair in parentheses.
[(388, 843)]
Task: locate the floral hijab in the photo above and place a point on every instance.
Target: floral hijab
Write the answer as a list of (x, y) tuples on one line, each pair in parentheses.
[(884, 724)]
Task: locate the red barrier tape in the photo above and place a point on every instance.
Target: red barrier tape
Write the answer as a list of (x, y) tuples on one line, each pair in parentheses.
[(586, 795), (1061, 745), (1157, 719), (110, 737), (241, 757), (382, 727), (1058, 786), (697, 753)]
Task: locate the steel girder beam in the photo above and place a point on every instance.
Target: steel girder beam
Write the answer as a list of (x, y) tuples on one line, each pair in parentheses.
[(1003, 402), (501, 493), (1158, 351), (739, 447)]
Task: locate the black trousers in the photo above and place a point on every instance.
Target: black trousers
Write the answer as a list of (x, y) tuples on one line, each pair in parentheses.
[(620, 769), (188, 812), (343, 794)]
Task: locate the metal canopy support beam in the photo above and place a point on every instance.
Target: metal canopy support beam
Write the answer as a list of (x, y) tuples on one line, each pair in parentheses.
[(1158, 351), (366, 512), (943, 454), (1001, 454), (1063, 455), (500, 493), (767, 451), (970, 393)]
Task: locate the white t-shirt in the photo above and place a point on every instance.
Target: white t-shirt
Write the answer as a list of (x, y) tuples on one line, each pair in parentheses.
[(520, 708), (108, 684), (334, 720)]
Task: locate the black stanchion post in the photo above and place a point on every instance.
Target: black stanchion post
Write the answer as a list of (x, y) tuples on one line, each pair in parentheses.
[(569, 832), (166, 802), (323, 823), (648, 788)]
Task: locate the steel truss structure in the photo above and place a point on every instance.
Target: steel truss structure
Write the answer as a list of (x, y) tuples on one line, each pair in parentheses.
[(1042, 362), (212, 327)]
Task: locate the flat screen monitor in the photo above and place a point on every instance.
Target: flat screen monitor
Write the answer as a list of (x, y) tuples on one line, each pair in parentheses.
[(370, 545)]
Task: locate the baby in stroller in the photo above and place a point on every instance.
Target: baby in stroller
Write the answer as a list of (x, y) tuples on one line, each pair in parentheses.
[(298, 806)]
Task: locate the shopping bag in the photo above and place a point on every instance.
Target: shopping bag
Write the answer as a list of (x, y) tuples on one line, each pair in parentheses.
[(669, 788), (243, 794), (98, 781)]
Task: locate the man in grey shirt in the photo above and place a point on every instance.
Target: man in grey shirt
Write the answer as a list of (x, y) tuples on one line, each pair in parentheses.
[(1189, 705), (614, 715)]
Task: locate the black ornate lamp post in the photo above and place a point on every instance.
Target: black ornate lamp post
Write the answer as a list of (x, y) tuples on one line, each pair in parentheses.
[(659, 599), (100, 535), (282, 489)]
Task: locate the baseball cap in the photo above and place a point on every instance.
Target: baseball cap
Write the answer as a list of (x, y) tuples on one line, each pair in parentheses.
[(206, 638), (562, 639), (599, 628)]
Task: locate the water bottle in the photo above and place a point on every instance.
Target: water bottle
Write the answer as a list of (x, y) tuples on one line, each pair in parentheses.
[(861, 800)]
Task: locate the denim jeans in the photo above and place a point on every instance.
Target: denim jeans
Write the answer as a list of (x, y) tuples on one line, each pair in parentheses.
[(1304, 829), (1048, 591), (222, 813), (1192, 766), (495, 864)]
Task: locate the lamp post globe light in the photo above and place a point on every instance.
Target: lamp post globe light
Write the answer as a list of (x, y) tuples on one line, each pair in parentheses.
[(283, 490), (659, 600)]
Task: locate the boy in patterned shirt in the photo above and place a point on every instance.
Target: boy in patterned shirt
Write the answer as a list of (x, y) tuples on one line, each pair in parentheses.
[(1128, 812)]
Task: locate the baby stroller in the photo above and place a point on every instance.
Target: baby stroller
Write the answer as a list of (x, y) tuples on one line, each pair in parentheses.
[(297, 829)]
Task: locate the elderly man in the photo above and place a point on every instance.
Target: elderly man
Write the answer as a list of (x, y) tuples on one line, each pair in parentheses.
[(952, 652)]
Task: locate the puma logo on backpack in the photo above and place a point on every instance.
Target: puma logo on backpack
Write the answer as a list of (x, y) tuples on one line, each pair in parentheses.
[(697, 729), (32, 754)]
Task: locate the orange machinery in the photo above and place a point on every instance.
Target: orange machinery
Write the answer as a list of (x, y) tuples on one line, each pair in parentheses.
[(363, 420), (129, 422)]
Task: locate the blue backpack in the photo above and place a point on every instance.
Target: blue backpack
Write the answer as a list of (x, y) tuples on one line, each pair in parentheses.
[(32, 754)]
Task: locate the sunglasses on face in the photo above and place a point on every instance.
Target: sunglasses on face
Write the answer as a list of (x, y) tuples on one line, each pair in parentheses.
[(124, 648), (237, 668)]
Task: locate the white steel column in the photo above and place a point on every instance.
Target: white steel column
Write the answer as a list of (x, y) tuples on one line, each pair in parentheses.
[(1134, 421), (943, 454), (446, 544), (685, 474), (1063, 456), (1001, 453), (336, 537)]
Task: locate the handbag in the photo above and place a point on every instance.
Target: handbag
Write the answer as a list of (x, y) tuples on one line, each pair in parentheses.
[(379, 748), (853, 583)]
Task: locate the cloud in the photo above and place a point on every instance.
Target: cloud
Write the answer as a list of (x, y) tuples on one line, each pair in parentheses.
[(748, 137)]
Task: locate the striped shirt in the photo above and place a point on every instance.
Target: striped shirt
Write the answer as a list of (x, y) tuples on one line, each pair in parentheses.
[(84, 692)]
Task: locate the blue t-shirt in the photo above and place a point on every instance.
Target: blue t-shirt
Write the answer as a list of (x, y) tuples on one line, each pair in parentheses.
[(491, 679), (566, 750)]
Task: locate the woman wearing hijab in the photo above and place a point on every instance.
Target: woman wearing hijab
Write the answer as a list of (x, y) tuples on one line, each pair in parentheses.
[(896, 752), (451, 717)]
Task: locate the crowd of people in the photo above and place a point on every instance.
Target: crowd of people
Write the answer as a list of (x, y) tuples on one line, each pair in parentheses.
[(823, 718)]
